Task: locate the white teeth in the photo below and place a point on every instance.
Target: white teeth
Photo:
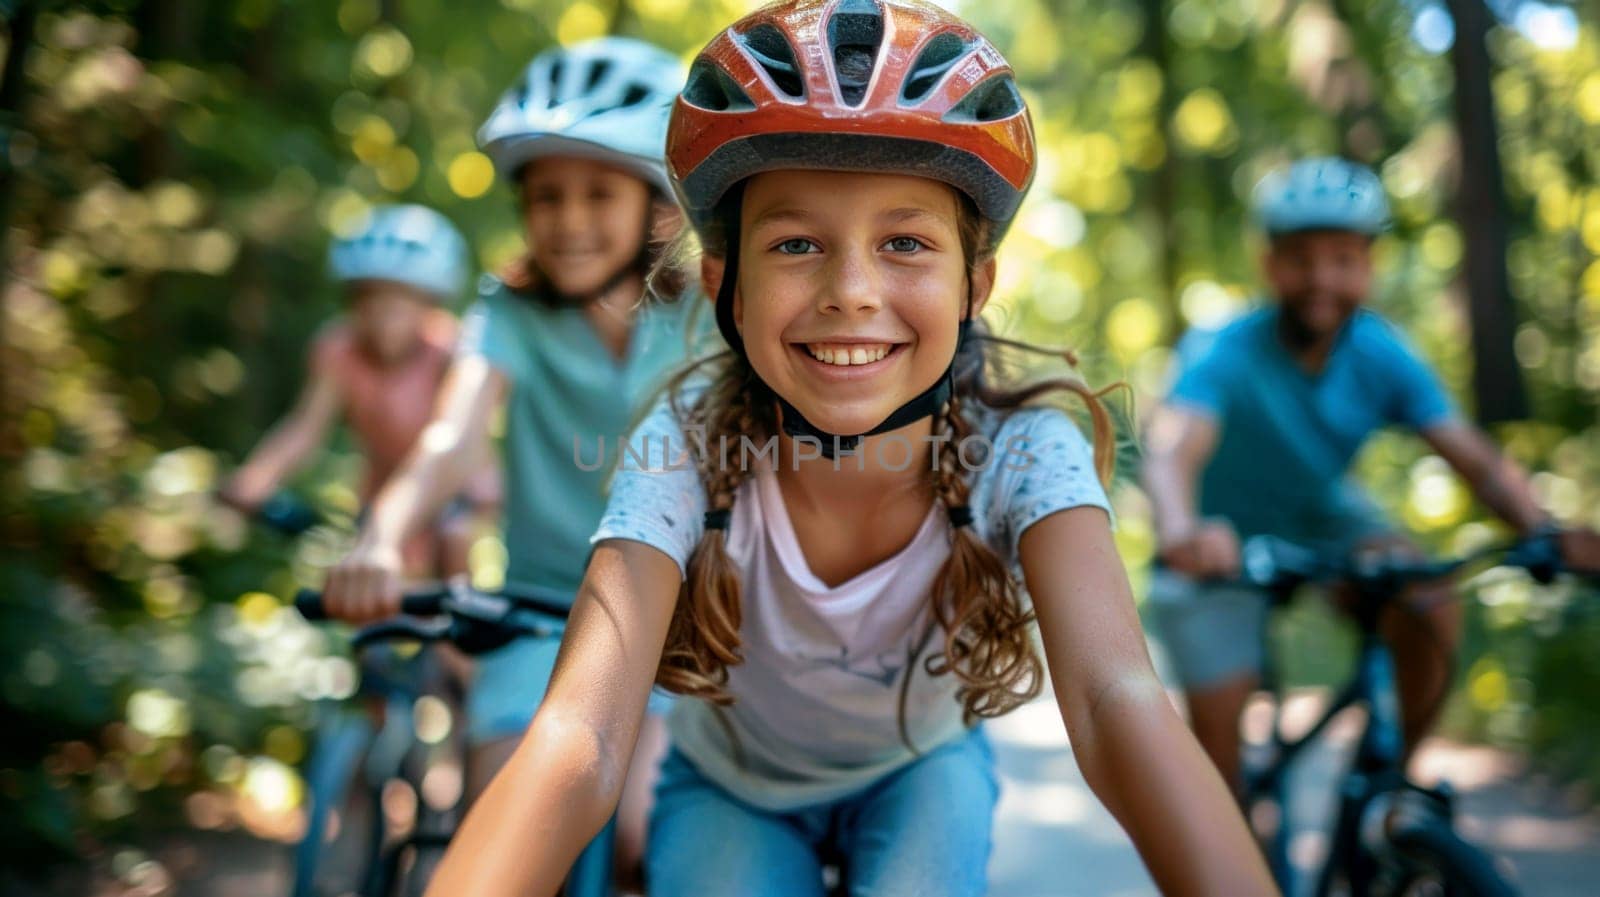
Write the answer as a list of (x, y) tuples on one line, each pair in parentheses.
[(843, 356)]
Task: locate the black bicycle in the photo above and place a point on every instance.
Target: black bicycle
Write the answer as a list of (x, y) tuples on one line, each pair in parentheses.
[(354, 763), (1391, 837)]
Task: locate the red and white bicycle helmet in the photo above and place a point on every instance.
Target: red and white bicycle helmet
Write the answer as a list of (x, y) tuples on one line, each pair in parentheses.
[(922, 93)]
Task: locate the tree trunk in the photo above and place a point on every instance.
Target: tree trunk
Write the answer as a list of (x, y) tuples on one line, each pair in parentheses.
[(1164, 181), (1481, 210), (12, 78)]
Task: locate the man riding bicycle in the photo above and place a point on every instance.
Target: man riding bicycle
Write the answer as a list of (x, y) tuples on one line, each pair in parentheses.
[(1257, 435)]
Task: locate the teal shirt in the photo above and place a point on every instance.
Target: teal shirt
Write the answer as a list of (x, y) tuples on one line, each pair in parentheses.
[(567, 394), (1288, 437)]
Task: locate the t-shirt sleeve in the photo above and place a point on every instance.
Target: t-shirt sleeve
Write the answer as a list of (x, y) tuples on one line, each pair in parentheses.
[(1051, 467), (656, 494), (1419, 399), (490, 330), (1200, 382)]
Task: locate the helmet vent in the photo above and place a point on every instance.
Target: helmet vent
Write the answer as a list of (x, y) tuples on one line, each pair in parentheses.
[(636, 94), (854, 32), (936, 58), (633, 96), (556, 68), (772, 52), (710, 88), (597, 73), (993, 100)]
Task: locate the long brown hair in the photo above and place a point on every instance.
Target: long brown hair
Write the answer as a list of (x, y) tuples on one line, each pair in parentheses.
[(975, 600)]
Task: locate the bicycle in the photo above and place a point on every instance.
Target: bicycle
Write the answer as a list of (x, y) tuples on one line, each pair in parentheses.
[(1391, 836), (475, 622)]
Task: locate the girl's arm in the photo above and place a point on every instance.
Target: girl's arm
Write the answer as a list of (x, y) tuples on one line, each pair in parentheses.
[(366, 584), (565, 779), (1134, 750), (286, 448)]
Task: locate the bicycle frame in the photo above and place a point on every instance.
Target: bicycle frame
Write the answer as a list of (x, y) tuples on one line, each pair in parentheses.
[(1375, 769), (390, 751), (386, 751)]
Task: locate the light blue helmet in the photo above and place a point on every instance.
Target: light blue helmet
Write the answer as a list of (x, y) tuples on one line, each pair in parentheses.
[(1322, 194), (409, 244), (606, 99)]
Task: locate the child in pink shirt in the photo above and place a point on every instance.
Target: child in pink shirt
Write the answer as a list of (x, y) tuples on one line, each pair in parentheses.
[(379, 369)]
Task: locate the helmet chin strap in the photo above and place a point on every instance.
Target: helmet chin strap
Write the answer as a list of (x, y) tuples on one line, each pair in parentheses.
[(794, 424)]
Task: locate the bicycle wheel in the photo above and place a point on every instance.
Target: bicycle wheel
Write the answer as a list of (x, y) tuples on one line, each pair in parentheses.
[(1433, 861)]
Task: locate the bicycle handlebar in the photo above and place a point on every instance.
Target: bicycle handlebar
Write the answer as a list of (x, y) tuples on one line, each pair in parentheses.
[(455, 612), (430, 601), (1280, 565)]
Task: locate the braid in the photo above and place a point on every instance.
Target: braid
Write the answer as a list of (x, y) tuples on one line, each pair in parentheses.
[(987, 643), (703, 638)]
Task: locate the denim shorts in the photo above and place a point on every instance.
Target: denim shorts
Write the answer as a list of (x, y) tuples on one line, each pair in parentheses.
[(510, 684), (924, 830), (1213, 632)]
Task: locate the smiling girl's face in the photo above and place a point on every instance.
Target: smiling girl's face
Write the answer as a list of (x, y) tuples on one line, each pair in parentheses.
[(585, 220), (851, 289)]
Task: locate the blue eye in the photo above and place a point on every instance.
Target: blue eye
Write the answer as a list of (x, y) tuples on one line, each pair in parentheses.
[(904, 244), (796, 246)]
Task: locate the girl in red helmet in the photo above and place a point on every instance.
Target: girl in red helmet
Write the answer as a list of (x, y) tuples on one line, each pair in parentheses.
[(829, 535)]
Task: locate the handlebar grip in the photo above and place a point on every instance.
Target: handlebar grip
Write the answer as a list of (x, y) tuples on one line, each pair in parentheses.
[(308, 602)]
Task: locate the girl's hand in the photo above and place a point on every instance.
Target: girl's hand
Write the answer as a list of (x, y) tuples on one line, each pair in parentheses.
[(365, 586)]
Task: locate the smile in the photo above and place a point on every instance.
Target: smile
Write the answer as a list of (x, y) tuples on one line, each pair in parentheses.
[(847, 354)]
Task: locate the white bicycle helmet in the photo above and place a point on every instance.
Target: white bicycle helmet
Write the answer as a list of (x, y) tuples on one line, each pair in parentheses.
[(1322, 194), (408, 244), (606, 99)]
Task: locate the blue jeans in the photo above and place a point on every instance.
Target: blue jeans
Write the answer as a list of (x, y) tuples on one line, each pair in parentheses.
[(923, 831)]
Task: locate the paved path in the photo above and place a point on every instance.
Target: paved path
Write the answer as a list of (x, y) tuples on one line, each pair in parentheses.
[(1054, 839)]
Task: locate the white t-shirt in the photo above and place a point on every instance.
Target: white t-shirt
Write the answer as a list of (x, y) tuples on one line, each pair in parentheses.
[(815, 712)]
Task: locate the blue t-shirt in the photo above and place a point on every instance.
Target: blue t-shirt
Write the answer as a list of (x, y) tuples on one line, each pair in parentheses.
[(570, 401), (1288, 437)]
